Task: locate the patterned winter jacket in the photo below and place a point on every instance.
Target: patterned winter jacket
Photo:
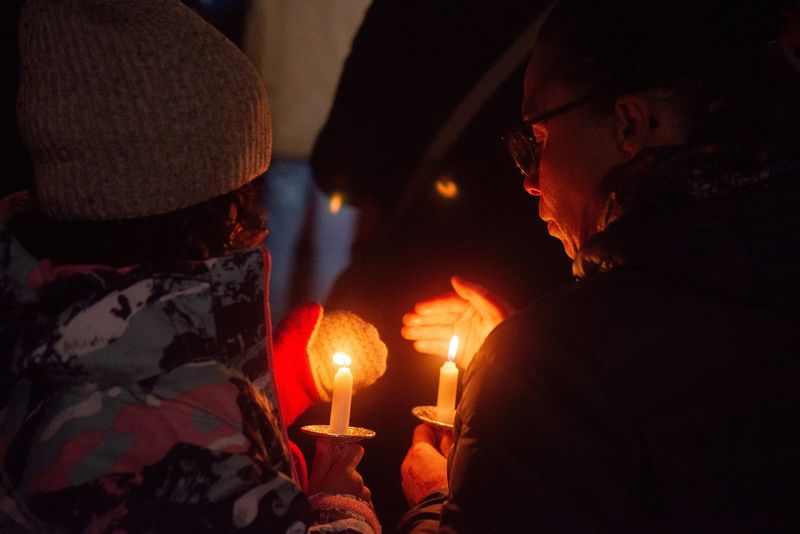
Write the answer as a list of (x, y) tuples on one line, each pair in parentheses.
[(142, 400)]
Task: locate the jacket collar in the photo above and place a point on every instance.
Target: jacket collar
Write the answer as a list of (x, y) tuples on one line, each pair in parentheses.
[(701, 217)]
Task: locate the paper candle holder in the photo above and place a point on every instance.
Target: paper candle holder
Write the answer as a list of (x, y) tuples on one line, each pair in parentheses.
[(338, 441), (428, 414)]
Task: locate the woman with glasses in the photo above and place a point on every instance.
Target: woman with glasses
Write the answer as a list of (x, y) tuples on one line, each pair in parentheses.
[(658, 392)]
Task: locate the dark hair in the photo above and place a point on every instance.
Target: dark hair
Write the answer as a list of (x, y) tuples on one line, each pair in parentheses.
[(719, 59), (216, 227)]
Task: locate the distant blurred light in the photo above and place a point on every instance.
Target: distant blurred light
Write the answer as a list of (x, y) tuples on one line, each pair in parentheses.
[(336, 203), (446, 187)]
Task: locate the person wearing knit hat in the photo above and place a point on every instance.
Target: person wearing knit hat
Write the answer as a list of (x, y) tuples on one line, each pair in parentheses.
[(143, 392)]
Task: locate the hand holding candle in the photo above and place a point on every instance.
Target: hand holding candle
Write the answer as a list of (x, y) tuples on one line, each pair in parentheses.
[(339, 435), (448, 385), (342, 394), (342, 330)]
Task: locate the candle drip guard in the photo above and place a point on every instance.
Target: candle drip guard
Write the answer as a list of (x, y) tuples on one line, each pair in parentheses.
[(427, 414), (338, 441)]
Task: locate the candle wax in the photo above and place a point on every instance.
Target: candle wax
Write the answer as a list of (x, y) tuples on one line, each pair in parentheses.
[(448, 385), (340, 407)]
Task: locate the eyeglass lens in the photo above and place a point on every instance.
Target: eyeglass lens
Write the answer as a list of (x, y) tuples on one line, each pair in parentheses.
[(524, 150)]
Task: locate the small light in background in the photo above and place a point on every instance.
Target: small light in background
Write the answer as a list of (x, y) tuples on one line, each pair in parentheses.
[(446, 187), (336, 203)]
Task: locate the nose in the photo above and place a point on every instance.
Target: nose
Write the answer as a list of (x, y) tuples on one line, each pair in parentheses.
[(531, 184)]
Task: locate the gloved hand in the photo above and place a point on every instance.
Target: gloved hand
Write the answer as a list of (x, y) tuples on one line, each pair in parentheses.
[(303, 347)]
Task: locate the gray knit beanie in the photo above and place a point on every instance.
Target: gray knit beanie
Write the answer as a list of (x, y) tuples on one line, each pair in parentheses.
[(132, 108)]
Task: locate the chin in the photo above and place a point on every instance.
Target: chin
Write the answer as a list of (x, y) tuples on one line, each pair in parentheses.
[(569, 245)]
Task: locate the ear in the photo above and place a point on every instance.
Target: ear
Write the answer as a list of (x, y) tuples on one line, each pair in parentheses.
[(633, 124)]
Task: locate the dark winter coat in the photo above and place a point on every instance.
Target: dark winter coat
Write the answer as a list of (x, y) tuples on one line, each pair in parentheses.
[(659, 393)]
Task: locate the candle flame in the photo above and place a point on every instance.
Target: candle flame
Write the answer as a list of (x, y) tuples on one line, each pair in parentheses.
[(336, 203), (342, 359), (453, 349)]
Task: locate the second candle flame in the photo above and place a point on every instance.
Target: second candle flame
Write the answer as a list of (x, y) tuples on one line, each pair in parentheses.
[(453, 349), (342, 359)]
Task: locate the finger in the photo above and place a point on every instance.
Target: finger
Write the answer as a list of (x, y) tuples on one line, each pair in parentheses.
[(366, 494), (414, 319), (471, 292), (436, 347), (424, 434), (442, 304), (321, 465), (446, 441), (352, 455), (480, 298), (431, 332)]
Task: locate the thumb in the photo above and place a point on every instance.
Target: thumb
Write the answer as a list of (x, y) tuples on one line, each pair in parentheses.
[(424, 433), (446, 442), (480, 298)]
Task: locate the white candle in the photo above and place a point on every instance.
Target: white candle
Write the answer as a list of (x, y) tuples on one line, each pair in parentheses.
[(342, 393), (448, 385)]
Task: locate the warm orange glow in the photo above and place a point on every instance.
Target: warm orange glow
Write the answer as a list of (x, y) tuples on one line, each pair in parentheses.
[(336, 203), (453, 349), (342, 359), (446, 188)]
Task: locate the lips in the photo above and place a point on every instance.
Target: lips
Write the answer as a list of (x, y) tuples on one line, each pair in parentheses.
[(552, 226)]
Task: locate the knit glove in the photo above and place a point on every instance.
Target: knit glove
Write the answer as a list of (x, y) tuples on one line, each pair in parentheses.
[(303, 348)]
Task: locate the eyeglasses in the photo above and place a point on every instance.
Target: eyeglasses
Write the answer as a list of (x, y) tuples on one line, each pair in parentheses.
[(524, 148)]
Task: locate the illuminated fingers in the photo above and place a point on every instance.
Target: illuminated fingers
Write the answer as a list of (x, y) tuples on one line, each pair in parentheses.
[(437, 347), (486, 304), (441, 304), (447, 318), (433, 332), (424, 434)]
